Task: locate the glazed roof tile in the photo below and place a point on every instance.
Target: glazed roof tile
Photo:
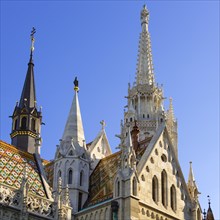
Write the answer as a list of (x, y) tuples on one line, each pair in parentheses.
[(13, 163)]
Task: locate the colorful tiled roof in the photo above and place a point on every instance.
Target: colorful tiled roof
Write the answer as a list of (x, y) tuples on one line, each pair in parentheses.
[(49, 168), (14, 163), (101, 180)]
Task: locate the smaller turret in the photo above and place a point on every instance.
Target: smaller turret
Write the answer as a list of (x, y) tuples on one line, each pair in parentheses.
[(192, 187), (26, 118), (209, 215), (171, 123), (72, 161)]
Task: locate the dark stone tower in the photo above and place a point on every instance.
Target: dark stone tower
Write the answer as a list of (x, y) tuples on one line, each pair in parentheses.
[(26, 119)]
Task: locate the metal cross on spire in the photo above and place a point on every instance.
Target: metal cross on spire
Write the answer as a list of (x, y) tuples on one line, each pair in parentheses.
[(32, 39)]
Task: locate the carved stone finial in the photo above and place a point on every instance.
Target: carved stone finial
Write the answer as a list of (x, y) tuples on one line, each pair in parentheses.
[(144, 15)]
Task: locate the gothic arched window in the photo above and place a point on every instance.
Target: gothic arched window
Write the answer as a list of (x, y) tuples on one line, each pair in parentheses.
[(70, 176), (33, 124), (164, 188), (81, 178), (59, 173), (24, 122), (15, 124), (118, 188), (173, 197), (155, 189)]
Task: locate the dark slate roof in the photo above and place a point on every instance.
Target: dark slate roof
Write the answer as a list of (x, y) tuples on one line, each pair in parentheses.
[(28, 91)]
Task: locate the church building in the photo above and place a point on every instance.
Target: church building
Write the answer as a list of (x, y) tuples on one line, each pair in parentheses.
[(86, 181)]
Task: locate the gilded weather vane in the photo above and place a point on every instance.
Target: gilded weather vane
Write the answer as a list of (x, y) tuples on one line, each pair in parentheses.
[(32, 39)]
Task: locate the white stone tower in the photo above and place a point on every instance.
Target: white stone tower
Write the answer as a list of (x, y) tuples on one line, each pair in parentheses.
[(145, 98), (71, 159)]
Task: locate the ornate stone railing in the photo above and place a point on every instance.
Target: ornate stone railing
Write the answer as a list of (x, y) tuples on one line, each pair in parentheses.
[(32, 204), (10, 197), (41, 206)]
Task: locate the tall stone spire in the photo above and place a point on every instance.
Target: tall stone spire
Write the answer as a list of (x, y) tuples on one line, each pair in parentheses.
[(172, 126), (74, 126), (192, 187), (145, 74), (26, 118), (191, 178), (145, 97)]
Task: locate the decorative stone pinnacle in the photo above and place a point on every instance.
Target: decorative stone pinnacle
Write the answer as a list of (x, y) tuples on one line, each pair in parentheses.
[(144, 15)]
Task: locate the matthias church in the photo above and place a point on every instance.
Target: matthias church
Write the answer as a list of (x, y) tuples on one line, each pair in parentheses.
[(86, 181)]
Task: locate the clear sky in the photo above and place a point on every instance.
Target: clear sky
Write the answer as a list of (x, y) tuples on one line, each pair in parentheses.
[(98, 42)]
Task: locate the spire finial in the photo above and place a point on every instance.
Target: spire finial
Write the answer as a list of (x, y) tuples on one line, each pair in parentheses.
[(76, 84), (144, 17), (32, 39), (209, 200), (102, 122)]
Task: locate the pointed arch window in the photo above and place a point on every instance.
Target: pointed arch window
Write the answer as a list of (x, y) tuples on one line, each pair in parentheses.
[(155, 189), (15, 124), (24, 123), (33, 124), (164, 188), (59, 173), (134, 186), (81, 178), (70, 176), (173, 201), (118, 188)]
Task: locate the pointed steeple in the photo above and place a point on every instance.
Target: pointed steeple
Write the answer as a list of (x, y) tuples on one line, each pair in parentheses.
[(191, 178), (74, 126), (26, 118), (145, 74), (28, 96), (192, 187), (209, 215)]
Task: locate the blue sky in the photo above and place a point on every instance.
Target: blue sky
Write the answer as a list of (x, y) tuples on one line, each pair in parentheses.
[(98, 42)]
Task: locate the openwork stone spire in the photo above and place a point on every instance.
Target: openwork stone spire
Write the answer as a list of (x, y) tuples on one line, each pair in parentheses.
[(145, 74)]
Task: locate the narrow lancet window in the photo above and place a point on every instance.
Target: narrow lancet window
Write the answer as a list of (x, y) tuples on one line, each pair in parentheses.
[(164, 188), (155, 189), (81, 178), (33, 124), (173, 201), (70, 177), (24, 123)]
